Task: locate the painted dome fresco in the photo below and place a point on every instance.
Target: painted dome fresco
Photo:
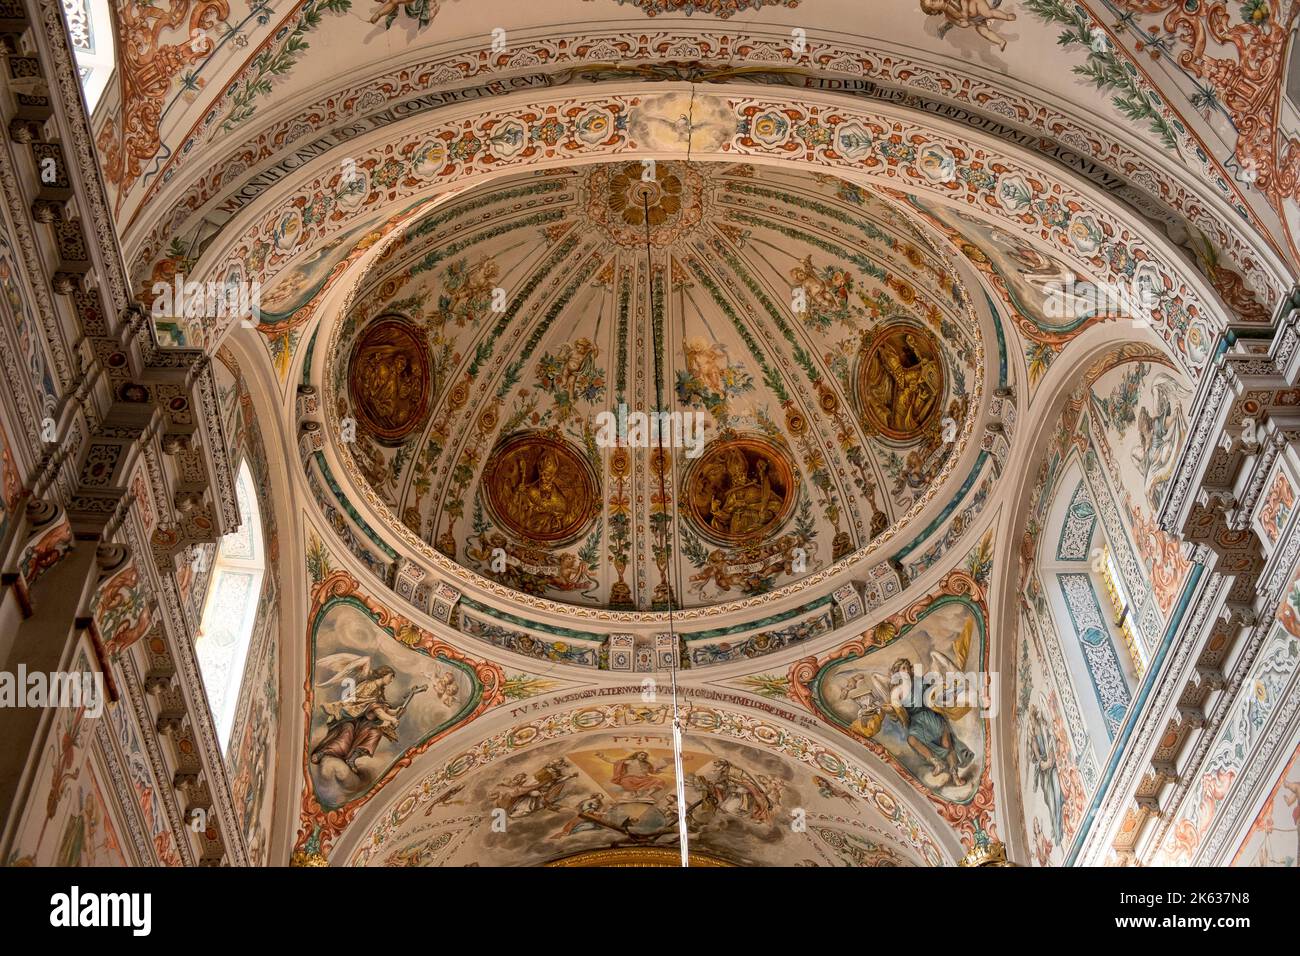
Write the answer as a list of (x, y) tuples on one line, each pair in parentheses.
[(494, 379), (740, 799), (637, 432)]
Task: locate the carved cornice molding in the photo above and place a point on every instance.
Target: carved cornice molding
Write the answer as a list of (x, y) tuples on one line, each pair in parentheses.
[(1244, 426), (118, 400)]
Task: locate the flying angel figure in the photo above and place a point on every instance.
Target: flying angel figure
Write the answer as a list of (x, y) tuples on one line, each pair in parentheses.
[(1160, 436), (363, 715), (341, 667), (979, 14), (925, 707)]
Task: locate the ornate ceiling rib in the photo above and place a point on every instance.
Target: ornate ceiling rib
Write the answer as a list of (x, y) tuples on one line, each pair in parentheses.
[(835, 62)]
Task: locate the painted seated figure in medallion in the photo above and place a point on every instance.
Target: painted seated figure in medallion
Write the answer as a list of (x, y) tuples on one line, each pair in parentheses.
[(541, 488), (900, 382), (740, 490), (389, 379), (538, 505)]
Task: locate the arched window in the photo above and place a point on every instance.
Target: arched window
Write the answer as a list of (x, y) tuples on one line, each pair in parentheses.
[(231, 608), (1091, 614)]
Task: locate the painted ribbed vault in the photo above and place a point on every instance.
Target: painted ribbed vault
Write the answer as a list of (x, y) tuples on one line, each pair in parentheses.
[(821, 358)]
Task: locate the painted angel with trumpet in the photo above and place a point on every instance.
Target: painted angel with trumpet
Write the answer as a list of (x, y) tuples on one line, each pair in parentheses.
[(925, 706), (362, 715)]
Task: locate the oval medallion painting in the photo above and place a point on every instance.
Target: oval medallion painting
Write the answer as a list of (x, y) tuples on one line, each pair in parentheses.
[(740, 490), (389, 380), (900, 381), (541, 488)]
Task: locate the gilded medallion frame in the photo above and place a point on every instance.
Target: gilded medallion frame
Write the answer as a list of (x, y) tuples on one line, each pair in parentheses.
[(572, 473), (873, 346), (719, 454), (390, 331)]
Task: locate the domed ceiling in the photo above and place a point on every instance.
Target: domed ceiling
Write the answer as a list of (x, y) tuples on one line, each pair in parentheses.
[(479, 346), (821, 367)]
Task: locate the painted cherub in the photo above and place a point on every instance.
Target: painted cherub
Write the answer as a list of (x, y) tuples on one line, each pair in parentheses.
[(386, 8), (817, 290), (714, 570), (970, 13), (445, 689), (707, 362), (578, 362)]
